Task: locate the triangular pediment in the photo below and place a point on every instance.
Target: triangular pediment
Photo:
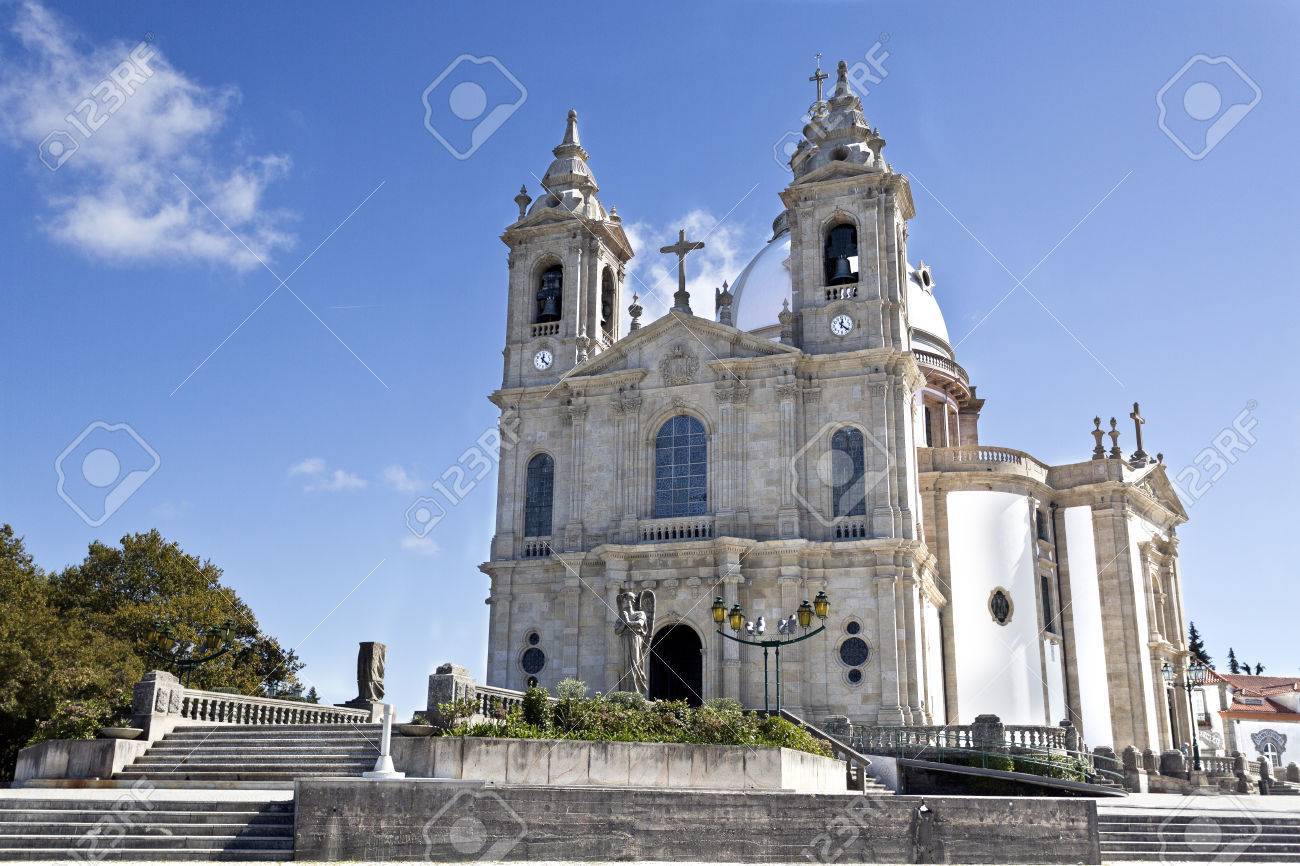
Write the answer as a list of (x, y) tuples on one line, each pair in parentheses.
[(679, 347), (1155, 483)]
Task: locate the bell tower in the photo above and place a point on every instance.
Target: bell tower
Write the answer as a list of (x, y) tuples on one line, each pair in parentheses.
[(567, 265), (848, 214)]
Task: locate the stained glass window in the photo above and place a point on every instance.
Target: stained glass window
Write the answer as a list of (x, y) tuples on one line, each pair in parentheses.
[(681, 468), (848, 472), (540, 492)]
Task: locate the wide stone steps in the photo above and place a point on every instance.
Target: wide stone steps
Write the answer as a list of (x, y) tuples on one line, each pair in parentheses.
[(257, 753), (1199, 837), (136, 827)]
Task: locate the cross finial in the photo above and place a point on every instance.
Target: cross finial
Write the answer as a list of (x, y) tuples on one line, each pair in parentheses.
[(682, 298), (1140, 457), (818, 77)]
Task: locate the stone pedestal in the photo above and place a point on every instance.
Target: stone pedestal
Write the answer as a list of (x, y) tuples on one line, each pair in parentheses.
[(156, 704)]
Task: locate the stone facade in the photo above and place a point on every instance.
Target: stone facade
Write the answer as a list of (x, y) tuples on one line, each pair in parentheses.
[(860, 351)]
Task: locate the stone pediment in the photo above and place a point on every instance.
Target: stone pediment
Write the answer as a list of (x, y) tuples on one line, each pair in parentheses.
[(1154, 481), (677, 349)]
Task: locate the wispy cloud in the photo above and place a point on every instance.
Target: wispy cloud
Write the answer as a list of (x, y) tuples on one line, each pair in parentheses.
[(114, 195), (308, 466), (425, 546), (726, 250), (322, 479), (396, 477)]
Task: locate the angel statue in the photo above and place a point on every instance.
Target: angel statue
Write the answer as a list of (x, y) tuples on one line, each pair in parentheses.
[(636, 623)]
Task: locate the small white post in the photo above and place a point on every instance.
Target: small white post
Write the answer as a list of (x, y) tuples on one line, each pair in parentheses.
[(384, 764)]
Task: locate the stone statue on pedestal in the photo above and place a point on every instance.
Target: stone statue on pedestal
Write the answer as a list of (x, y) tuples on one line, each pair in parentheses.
[(636, 622), (370, 678)]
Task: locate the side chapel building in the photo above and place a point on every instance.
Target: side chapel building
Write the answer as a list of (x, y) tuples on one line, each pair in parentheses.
[(816, 434)]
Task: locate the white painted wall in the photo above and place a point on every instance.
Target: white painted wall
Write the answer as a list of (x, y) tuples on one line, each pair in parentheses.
[(1245, 727), (1089, 642), (998, 668)]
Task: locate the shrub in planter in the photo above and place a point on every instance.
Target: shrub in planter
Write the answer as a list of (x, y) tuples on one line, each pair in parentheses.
[(537, 707)]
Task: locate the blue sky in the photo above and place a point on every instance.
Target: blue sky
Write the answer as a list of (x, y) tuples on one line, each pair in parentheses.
[(291, 441)]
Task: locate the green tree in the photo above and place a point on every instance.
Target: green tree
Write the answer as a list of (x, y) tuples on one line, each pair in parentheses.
[(1197, 646), (73, 643), (1234, 666)]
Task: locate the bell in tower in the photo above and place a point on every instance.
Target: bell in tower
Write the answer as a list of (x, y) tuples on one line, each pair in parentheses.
[(550, 295)]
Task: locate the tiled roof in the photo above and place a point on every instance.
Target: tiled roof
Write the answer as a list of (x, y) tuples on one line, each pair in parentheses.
[(1251, 694)]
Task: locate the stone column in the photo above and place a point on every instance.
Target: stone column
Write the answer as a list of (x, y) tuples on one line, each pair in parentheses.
[(575, 415), (616, 577), (788, 515), (788, 581), (891, 710), (882, 505), (728, 650), (908, 599)]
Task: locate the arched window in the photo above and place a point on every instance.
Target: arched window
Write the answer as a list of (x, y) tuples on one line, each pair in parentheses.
[(607, 304), (550, 294), (540, 490), (1040, 522), (841, 255), (681, 468), (848, 473)]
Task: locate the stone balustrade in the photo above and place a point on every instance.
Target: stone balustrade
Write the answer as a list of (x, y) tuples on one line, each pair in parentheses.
[(676, 528), (841, 293), (537, 548), (988, 734), (942, 364), (545, 329), (981, 458), (850, 528), (160, 703)]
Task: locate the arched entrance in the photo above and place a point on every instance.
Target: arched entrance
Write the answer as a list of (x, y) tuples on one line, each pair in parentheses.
[(677, 665)]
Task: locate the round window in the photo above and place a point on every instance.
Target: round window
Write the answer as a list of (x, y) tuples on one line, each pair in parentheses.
[(854, 652), (534, 638), (533, 660), (853, 627), (855, 676)]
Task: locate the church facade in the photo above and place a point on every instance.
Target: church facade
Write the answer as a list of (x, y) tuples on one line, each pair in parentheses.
[(815, 434)]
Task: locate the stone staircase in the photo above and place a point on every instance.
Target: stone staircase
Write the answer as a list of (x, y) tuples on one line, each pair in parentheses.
[(1197, 836), (140, 827), (257, 753)]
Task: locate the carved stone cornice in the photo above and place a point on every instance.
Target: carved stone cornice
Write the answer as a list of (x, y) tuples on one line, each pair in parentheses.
[(787, 391), (625, 402), (574, 413), (731, 391)]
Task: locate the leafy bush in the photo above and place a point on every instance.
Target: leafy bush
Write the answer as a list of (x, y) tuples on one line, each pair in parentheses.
[(537, 707), (80, 720), (630, 718)]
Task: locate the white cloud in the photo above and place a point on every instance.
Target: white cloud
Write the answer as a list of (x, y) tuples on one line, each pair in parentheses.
[(323, 480), (115, 196), (396, 477), (308, 466), (337, 481), (653, 275), (425, 546)]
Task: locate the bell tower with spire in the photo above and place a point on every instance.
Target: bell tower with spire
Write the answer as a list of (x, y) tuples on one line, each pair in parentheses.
[(848, 214), (567, 263)]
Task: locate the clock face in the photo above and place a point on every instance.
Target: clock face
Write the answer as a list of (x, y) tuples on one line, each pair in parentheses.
[(841, 325), (543, 359)]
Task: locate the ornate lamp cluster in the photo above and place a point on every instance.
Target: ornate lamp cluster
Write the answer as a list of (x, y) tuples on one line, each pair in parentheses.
[(819, 607)]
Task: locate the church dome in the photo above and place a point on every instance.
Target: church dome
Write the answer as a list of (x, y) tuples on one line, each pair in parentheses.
[(764, 285), (929, 330)]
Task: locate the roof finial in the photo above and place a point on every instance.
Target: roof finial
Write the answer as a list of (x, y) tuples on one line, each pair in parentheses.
[(681, 297), (1098, 450), (818, 76), (571, 128), (1114, 440), (722, 300), (634, 310), (841, 81), (523, 200)]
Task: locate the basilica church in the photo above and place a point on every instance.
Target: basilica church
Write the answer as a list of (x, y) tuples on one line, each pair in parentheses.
[(812, 433)]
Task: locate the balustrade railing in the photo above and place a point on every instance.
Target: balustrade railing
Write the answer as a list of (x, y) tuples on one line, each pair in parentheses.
[(985, 457), (676, 529), (1217, 765), (535, 548), (939, 362), (850, 528), (495, 702), (841, 293), (228, 709), (545, 329)]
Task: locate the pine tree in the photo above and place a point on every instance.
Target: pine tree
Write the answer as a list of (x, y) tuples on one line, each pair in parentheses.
[(1197, 646), (1233, 665), (1259, 669)]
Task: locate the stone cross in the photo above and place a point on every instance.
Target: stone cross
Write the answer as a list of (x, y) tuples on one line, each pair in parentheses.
[(819, 76), (682, 298), (1140, 457)]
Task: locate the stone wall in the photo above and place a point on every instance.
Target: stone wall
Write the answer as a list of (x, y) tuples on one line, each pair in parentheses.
[(76, 759), (582, 763), (458, 821)]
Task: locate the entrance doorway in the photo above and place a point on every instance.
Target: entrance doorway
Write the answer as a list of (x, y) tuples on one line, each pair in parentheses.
[(677, 665)]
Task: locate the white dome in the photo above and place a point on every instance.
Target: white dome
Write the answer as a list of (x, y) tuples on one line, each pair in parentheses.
[(923, 313), (764, 285)]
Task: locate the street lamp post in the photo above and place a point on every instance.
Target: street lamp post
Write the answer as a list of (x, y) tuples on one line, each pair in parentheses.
[(819, 607), (1193, 678)]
